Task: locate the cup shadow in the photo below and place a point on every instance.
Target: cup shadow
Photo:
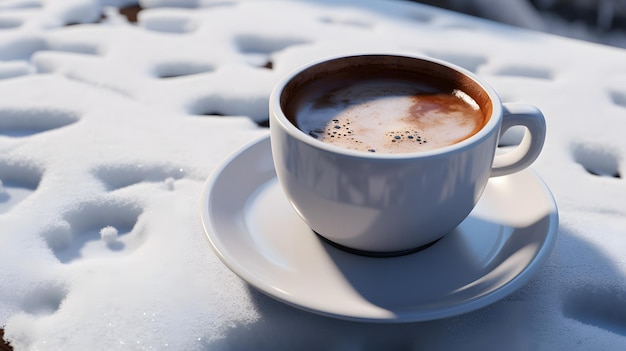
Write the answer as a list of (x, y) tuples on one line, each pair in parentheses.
[(476, 259)]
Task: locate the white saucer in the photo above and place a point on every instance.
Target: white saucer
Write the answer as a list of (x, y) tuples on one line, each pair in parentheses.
[(257, 234)]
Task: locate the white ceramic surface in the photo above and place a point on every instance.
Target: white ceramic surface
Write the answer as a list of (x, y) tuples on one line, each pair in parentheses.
[(385, 203), (257, 234)]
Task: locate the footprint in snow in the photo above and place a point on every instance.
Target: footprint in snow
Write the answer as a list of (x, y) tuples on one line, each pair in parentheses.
[(21, 122), (97, 229), (18, 180)]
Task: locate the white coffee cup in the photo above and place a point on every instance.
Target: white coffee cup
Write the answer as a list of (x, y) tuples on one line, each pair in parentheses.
[(393, 203)]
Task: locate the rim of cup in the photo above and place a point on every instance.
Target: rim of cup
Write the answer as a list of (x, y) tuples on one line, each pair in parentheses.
[(292, 130)]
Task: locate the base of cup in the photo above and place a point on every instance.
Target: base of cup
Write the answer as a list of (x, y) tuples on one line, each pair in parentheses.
[(378, 254)]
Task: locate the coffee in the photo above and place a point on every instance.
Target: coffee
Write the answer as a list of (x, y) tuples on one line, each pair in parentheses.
[(387, 115)]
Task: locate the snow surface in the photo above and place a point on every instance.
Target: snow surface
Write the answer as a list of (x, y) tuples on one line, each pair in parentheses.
[(108, 131)]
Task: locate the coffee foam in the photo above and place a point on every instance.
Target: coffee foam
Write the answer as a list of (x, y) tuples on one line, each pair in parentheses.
[(389, 117)]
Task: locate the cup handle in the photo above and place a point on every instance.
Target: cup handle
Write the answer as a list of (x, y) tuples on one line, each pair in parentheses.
[(528, 150)]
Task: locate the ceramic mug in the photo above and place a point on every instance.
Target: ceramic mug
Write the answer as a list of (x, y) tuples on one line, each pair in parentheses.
[(381, 203)]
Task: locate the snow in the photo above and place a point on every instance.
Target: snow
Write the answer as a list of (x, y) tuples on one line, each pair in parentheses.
[(108, 131), (109, 234)]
